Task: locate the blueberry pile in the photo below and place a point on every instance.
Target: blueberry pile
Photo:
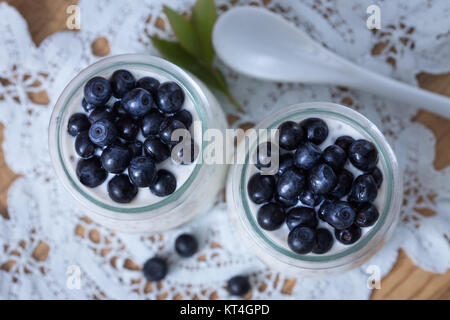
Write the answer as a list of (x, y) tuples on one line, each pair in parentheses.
[(129, 136), (312, 191)]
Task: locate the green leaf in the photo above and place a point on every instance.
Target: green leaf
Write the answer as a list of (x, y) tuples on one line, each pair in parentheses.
[(204, 15), (184, 31)]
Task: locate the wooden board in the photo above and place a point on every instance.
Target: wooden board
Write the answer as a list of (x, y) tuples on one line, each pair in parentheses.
[(405, 281)]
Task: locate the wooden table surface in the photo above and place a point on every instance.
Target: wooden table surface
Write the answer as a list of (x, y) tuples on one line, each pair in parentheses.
[(405, 281)]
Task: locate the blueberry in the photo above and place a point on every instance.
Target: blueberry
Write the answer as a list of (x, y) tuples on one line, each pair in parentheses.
[(87, 107), (165, 183), (135, 148), (122, 81), (286, 162), (316, 130), (343, 185), (260, 188), (291, 183), (103, 133), (102, 112), (339, 214), (377, 176), (167, 129), (127, 129), (97, 91), (324, 207), (366, 215), (285, 203), (156, 149), (270, 216), (84, 146), (169, 97), (78, 122), (121, 190), (90, 172), (344, 142), (115, 158), (155, 269), (142, 171), (238, 286), (322, 179), (148, 83), (335, 157), (186, 245), (301, 239), (301, 217), (323, 242), (290, 135), (364, 189), (151, 122), (363, 155), (137, 102), (186, 146), (307, 156), (309, 198), (264, 154), (349, 235), (185, 117), (119, 110)]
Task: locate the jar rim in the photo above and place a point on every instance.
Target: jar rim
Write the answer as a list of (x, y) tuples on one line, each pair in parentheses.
[(388, 160), (57, 129)]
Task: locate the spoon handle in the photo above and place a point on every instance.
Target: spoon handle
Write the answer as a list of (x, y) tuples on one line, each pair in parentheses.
[(372, 82)]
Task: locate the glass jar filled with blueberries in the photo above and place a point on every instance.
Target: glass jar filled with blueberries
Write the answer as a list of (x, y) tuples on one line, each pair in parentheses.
[(330, 203), (111, 143)]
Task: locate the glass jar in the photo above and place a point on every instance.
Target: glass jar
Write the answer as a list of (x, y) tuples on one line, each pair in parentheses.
[(275, 252), (199, 190)]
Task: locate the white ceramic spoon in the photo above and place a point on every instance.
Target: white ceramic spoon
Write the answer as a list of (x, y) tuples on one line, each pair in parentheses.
[(261, 44)]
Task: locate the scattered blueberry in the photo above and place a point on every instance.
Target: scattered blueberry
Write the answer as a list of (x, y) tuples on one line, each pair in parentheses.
[(148, 83), (364, 189), (156, 149), (343, 185), (301, 217), (366, 215), (335, 157), (322, 179), (87, 107), (90, 172), (323, 242), (339, 214), (84, 146), (103, 133), (167, 130), (186, 245), (270, 216), (363, 155), (151, 122), (121, 190), (169, 97), (377, 176), (238, 286), (142, 171), (344, 142), (290, 135), (155, 269), (185, 117), (78, 122), (307, 156), (286, 162), (165, 183), (97, 91), (349, 235), (291, 183), (135, 148), (115, 158), (260, 188), (137, 102), (102, 112), (127, 129), (122, 81), (301, 239), (316, 130)]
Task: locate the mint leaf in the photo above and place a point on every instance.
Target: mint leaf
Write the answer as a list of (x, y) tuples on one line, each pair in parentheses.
[(184, 31), (204, 16)]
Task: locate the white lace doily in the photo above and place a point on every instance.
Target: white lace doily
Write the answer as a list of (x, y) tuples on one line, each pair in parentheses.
[(46, 233)]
